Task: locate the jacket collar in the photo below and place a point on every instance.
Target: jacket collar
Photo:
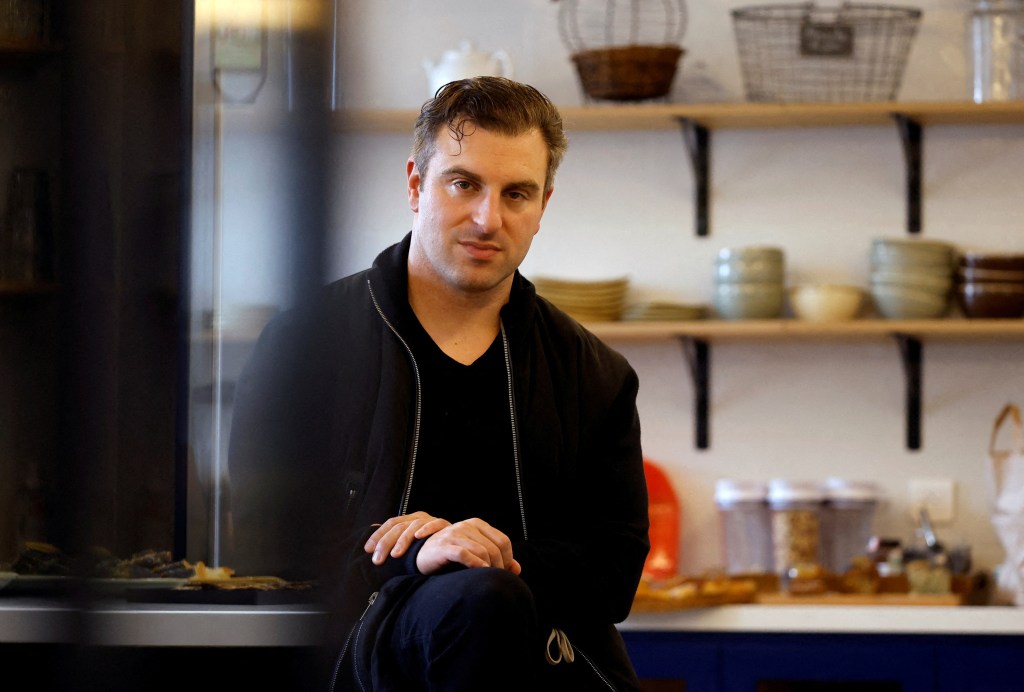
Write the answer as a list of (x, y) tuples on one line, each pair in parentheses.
[(389, 278)]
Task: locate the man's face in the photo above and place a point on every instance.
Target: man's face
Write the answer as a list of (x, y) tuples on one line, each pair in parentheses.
[(476, 210)]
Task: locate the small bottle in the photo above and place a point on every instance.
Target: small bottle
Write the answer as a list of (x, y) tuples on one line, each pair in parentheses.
[(796, 523), (745, 526)]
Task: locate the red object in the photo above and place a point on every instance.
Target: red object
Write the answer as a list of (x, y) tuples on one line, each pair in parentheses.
[(663, 509)]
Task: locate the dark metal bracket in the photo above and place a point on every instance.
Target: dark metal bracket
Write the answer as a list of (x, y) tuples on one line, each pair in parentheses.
[(698, 357), (911, 134), (912, 355), (698, 145)]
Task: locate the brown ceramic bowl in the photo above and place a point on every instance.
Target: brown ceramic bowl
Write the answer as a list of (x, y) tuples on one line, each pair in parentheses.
[(991, 300), (1001, 261), (977, 275)]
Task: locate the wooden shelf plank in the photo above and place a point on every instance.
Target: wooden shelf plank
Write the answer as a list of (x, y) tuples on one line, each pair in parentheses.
[(784, 329), (606, 117)]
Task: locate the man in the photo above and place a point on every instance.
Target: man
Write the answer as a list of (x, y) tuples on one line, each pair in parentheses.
[(467, 455)]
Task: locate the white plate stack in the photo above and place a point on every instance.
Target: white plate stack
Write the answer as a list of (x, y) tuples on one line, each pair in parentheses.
[(665, 311), (587, 301)]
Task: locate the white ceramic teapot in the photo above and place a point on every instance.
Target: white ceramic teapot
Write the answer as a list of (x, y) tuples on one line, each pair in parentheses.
[(466, 61)]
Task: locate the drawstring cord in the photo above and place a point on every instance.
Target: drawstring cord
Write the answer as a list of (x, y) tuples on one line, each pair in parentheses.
[(564, 647)]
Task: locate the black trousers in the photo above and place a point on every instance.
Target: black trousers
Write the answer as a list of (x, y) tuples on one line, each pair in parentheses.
[(464, 631)]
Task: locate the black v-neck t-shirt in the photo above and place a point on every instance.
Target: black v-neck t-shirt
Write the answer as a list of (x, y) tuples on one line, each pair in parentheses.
[(465, 465)]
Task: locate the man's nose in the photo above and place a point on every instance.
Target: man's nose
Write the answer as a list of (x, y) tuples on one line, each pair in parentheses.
[(487, 214)]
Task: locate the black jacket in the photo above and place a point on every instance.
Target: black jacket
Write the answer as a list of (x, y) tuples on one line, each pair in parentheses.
[(324, 430)]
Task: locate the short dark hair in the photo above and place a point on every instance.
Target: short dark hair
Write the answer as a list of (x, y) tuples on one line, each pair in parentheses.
[(493, 103)]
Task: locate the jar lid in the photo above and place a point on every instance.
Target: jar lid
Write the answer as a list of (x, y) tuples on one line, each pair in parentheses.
[(783, 490), (845, 489), (729, 491)]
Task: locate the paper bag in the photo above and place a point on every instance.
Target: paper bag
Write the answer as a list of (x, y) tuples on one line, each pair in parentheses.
[(1005, 478)]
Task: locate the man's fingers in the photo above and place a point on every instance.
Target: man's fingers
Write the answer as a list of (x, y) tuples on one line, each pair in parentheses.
[(431, 527), (395, 533)]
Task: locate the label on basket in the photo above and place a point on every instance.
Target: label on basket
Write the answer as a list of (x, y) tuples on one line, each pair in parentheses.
[(826, 39)]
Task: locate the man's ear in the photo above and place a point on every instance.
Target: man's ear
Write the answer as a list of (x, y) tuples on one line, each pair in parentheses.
[(412, 175), (547, 198)]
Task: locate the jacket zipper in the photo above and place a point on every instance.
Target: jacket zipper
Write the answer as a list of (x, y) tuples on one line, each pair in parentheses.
[(353, 633), (515, 428), (404, 506), (593, 667)]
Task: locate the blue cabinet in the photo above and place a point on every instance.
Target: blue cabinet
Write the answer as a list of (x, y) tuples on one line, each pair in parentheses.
[(746, 662), (684, 656), (980, 664)]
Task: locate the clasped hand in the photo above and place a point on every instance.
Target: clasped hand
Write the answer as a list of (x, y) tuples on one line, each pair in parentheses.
[(471, 543)]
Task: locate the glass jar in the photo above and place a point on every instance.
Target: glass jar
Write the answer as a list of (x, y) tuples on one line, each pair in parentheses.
[(745, 526), (847, 522), (795, 508), (996, 50)]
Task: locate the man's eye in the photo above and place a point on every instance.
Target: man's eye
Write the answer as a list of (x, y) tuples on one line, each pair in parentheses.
[(463, 184)]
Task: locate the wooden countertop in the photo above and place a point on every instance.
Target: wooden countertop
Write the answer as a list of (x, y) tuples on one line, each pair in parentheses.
[(836, 619)]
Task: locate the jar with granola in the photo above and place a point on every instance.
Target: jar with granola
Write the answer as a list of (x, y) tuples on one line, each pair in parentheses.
[(796, 508)]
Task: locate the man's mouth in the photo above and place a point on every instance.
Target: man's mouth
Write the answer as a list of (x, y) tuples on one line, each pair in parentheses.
[(480, 251)]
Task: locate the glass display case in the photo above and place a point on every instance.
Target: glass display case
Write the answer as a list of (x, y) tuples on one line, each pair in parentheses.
[(262, 96)]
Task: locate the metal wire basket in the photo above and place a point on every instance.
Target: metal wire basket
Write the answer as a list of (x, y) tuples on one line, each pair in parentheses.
[(800, 52), (624, 50)]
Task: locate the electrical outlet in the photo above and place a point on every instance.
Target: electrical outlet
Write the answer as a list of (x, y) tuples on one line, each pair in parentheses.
[(934, 494)]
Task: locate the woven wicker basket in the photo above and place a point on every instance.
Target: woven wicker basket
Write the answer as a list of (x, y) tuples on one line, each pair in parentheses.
[(627, 73)]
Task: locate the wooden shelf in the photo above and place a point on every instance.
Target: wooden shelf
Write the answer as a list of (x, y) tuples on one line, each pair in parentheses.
[(728, 116), (782, 329), (696, 337), (698, 120)]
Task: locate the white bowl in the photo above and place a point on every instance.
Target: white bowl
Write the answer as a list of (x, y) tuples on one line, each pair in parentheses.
[(826, 302)]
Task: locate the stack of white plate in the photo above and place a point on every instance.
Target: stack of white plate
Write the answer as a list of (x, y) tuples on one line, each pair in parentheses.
[(665, 311), (749, 282), (587, 301), (911, 278)]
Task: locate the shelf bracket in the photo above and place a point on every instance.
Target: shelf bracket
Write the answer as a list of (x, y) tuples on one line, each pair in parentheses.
[(912, 355), (698, 145), (698, 357), (911, 135)]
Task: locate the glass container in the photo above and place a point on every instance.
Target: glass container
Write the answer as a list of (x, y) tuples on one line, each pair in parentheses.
[(745, 526), (796, 508), (996, 50), (847, 522)]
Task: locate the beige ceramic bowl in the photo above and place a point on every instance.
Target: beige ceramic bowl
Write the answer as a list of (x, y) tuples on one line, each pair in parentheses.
[(826, 302)]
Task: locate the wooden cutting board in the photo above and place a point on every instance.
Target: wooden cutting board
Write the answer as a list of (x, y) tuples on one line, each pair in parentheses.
[(879, 599)]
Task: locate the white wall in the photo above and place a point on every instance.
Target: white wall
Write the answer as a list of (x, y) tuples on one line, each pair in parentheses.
[(623, 205)]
